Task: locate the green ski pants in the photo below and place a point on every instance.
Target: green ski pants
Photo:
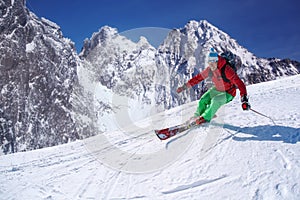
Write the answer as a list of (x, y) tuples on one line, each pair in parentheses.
[(210, 102)]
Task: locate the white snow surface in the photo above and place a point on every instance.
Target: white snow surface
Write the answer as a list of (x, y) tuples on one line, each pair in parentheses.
[(239, 155)]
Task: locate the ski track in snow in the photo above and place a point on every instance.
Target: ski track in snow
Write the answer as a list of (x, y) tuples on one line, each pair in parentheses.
[(192, 185), (250, 158)]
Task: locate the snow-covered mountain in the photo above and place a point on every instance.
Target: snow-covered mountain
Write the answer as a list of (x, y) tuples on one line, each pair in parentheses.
[(124, 74), (121, 65), (38, 76), (181, 56), (50, 95), (239, 155)]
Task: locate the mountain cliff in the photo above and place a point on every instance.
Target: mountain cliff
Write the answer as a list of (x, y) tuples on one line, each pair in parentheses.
[(38, 75)]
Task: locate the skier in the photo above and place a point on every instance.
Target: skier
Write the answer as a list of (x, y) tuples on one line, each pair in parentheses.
[(221, 93)]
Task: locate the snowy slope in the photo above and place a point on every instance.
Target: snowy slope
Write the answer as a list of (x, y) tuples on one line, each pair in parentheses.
[(246, 157)]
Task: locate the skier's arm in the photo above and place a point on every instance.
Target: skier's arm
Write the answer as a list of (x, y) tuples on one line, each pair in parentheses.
[(195, 80), (199, 77), (235, 79)]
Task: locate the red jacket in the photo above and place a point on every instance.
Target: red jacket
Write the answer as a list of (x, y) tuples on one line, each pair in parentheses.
[(220, 84)]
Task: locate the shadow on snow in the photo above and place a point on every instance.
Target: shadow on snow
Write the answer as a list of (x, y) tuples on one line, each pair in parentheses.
[(266, 133)]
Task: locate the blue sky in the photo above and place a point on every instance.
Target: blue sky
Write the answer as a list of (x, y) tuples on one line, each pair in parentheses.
[(267, 28)]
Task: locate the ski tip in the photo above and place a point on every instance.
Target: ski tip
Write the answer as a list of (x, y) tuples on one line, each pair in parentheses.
[(160, 136)]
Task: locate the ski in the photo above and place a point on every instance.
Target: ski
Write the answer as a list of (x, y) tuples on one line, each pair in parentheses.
[(166, 133)]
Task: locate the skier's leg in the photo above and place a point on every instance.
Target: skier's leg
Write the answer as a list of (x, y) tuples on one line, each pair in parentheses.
[(216, 102), (204, 102)]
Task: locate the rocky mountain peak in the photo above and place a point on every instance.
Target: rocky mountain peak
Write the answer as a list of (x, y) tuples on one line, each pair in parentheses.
[(143, 42), (105, 34), (102, 37)]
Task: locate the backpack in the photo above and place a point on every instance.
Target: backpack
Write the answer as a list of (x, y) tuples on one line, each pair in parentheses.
[(230, 61)]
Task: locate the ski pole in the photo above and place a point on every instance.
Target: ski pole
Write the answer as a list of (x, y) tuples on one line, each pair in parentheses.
[(263, 115)]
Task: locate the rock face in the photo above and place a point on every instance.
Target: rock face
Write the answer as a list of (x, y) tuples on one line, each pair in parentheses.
[(50, 95), (38, 71)]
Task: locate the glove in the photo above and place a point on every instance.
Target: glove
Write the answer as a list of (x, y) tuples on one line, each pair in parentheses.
[(245, 103), (180, 89)]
